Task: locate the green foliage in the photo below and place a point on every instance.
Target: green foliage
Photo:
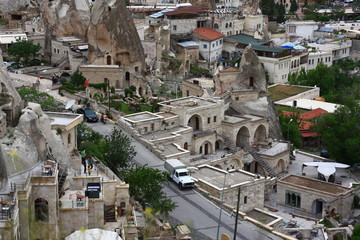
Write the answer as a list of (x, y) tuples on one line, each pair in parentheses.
[(3, 21), (145, 185), (118, 151), (267, 7), (24, 51), (356, 7), (102, 86), (280, 12), (341, 133), (77, 79), (290, 129), (47, 102), (197, 69), (293, 6), (336, 83), (69, 87), (356, 233), (326, 223)]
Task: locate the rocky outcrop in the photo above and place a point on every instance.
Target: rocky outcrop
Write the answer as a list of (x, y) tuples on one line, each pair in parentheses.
[(112, 36), (7, 6)]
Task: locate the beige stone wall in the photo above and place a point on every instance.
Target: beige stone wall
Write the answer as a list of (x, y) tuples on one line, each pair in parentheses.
[(97, 74), (69, 138), (58, 51), (182, 25), (275, 162), (82, 181), (72, 219), (198, 142), (341, 204), (109, 191), (241, 96), (96, 213), (191, 89), (147, 126)]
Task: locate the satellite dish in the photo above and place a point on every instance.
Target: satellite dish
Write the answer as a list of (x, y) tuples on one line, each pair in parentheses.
[(70, 103)]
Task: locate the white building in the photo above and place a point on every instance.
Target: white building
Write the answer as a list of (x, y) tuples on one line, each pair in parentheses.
[(210, 43), (339, 48), (316, 58), (301, 29)]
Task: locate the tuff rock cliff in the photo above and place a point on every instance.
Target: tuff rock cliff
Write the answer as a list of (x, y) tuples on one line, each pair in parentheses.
[(112, 33)]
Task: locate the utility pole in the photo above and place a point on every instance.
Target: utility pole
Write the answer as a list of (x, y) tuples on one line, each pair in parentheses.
[(221, 207), (237, 214)]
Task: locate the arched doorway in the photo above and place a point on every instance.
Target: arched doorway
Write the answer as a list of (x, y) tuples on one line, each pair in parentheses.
[(242, 138), (127, 80), (281, 166), (235, 163), (251, 82), (195, 122), (207, 147), (219, 145), (317, 207), (186, 145), (260, 134), (141, 93), (41, 210), (108, 60)]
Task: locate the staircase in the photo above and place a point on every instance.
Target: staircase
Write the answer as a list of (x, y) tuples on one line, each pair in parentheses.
[(109, 213), (230, 145), (61, 177), (262, 162)]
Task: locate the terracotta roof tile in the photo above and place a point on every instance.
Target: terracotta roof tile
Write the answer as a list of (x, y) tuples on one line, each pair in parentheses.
[(313, 114), (187, 10), (208, 33), (309, 134)]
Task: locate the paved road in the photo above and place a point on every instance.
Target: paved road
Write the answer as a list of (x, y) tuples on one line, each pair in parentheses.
[(193, 209)]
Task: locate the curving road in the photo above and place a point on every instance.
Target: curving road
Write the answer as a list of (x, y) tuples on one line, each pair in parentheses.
[(199, 214)]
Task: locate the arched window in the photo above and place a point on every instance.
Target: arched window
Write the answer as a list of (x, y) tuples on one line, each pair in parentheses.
[(108, 60), (230, 24), (41, 210), (226, 25)]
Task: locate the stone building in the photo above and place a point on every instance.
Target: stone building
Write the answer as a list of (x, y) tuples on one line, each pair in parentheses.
[(45, 195), (210, 43), (222, 184), (315, 196)]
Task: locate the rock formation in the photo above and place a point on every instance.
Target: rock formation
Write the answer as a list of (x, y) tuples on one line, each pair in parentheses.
[(7, 6), (112, 36), (250, 77)]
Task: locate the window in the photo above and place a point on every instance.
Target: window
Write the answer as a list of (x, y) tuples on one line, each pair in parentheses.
[(174, 27), (292, 29), (230, 24), (245, 199), (226, 25), (220, 41), (205, 46), (41, 210), (214, 118), (152, 127), (292, 199), (237, 98), (145, 129), (213, 45), (136, 69), (69, 138), (209, 120), (54, 50), (217, 43)]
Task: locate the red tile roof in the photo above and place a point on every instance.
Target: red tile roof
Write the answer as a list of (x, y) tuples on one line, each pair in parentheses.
[(288, 114), (309, 134), (313, 114), (305, 125), (208, 33), (187, 10)]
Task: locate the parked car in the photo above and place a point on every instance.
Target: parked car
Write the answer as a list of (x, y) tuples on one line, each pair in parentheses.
[(89, 114), (324, 153)]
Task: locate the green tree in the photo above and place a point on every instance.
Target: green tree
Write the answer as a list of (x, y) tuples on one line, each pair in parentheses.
[(280, 12), (268, 8), (290, 126), (337, 12), (118, 151), (47, 102), (356, 233), (77, 79), (293, 6), (356, 6), (24, 51), (340, 132), (145, 185)]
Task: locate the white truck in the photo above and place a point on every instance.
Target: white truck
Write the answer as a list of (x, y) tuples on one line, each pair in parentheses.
[(179, 173)]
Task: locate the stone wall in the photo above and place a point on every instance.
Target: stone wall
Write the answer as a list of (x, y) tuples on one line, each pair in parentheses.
[(242, 96), (182, 25), (72, 219), (191, 89), (96, 213)]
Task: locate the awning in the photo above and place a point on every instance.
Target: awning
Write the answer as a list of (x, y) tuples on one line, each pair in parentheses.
[(325, 168)]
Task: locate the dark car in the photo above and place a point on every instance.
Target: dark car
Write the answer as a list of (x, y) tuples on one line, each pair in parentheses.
[(89, 114), (324, 153)]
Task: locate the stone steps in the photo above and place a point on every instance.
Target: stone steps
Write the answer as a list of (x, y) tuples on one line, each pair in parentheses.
[(262, 163)]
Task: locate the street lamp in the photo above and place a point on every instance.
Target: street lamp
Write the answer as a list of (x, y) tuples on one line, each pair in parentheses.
[(289, 129)]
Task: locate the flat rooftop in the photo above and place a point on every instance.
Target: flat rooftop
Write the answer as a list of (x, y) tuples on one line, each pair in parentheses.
[(142, 116), (188, 102), (166, 114), (64, 119), (276, 148), (216, 176), (316, 185), (280, 92), (312, 104), (154, 136), (232, 119)]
